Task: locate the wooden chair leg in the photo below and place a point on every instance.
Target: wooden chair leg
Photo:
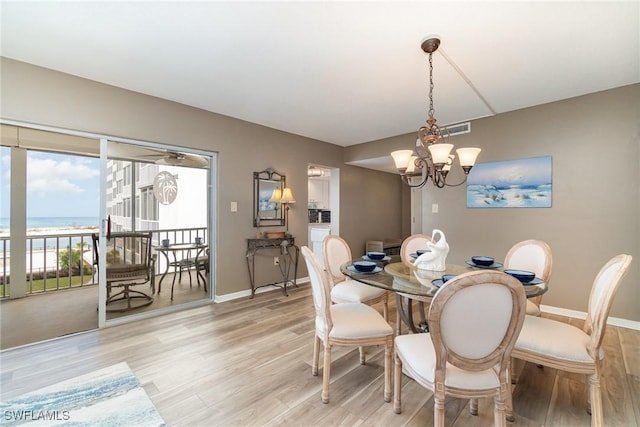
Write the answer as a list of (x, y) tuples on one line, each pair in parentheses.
[(516, 368), (397, 385), (473, 406), (423, 316), (326, 373), (499, 412), (388, 351), (588, 392), (509, 397), (316, 356), (385, 306), (398, 319), (438, 409), (594, 393)]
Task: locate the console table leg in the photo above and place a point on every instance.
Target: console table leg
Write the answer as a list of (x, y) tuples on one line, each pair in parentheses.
[(252, 268)]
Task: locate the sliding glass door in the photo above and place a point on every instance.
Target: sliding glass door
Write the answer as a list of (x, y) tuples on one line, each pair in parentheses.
[(60, 189), (48, 211), (164, 193)]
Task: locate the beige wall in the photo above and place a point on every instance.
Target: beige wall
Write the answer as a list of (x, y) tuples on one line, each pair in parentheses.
[(594, 141), (595, 213), (39, 96)]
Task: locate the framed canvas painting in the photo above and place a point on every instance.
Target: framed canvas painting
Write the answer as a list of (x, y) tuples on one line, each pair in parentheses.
[(522, 183)]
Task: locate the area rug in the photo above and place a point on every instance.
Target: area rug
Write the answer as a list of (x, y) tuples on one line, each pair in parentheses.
[(111, 396)]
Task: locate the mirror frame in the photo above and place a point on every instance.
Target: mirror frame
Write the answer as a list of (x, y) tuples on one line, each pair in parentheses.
[(264, 182)]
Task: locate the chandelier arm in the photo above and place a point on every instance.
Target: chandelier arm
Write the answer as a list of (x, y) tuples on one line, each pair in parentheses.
[(406, 180), (439, 180), (422, 164), (458, 184)]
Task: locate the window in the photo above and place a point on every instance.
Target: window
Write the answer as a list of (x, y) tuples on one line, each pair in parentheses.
[(127, 207), (127, 175), (149, 205)]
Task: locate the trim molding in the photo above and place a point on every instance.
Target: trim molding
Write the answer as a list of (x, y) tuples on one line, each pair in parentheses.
[(247, 292), (615, 321)]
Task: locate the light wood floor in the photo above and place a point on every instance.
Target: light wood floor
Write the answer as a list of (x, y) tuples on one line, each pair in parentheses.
[(247, 363)]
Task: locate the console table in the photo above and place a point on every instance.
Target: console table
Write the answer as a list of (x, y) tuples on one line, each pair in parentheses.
[(289, 254)]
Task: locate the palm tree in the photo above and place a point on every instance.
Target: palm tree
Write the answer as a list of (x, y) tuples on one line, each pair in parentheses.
[(70, 259)]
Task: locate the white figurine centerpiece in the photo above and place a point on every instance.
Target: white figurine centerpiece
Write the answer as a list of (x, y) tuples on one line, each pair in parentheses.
[(435, 259)]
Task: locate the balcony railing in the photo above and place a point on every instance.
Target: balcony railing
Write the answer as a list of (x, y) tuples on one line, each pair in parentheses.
[(49, 256)]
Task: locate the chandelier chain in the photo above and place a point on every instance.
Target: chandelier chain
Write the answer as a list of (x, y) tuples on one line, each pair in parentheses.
[(431, 109)]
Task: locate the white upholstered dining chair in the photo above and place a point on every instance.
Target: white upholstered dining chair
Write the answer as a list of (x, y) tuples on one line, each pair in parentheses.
[(535, 256), (567, 348), (347, 324), (474, 321), (336, 252), (409, 246)]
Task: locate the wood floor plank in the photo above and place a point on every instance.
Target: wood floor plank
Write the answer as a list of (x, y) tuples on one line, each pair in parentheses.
[(630, 345), (634, 388), (452, 410), (568, 404), (532, 393), (248, 363), (614, 383)]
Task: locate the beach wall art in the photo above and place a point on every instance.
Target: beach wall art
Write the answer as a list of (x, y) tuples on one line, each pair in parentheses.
[(521, 183)]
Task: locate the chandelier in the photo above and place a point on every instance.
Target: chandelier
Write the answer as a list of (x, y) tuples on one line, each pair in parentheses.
[(432, 158)]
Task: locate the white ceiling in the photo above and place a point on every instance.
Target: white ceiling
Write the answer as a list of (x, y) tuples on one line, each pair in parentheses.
[(340, 72)]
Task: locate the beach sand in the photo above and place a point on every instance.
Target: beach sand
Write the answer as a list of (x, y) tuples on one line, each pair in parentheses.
[(41, 259)]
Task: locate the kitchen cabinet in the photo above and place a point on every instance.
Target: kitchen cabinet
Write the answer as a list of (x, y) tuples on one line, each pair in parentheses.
[(319, 194)]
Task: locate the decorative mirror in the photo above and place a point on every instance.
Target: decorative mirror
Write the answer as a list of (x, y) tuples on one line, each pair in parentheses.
[(267, 190)]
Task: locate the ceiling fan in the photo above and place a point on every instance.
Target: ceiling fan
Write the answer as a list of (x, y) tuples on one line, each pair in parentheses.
[(175, 158), (122, 151)]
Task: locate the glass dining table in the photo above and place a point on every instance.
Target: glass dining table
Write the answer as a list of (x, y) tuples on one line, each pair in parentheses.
[(413, 284)]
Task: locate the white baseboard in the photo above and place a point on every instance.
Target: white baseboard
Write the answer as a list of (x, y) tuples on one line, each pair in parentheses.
[(246, 293), (615, 321)]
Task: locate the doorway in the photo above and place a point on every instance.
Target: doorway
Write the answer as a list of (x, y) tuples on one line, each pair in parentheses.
[(163, 191), (323, 205)]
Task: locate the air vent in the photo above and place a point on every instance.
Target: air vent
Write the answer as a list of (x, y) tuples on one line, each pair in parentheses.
[(459, 129)]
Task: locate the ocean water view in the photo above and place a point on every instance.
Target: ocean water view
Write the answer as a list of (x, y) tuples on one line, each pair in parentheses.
[(47, 222), (38, 226)]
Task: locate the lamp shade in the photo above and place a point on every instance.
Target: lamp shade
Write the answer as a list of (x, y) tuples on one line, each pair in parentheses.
[(468, 156), (440, 152), (401, 158), (276, 196), (287, 196), (411, 167)]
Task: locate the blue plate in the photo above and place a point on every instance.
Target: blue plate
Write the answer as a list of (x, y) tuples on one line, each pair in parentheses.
[(386, 258), (415, 254), (522, 275), (535, 281), (437, 283), (474, 265), (352, 269)]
